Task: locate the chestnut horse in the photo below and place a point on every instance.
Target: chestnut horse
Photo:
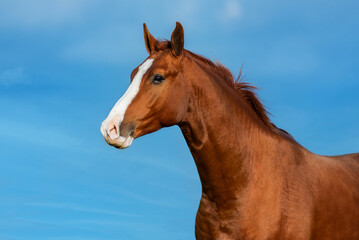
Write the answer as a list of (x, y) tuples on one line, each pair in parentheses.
[(257, 181)]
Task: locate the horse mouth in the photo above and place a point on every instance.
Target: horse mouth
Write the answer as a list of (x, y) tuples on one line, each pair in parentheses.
[(120, 142), (125, 144)]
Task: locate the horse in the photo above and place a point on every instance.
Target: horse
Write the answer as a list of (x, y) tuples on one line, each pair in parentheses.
[(257, 181)]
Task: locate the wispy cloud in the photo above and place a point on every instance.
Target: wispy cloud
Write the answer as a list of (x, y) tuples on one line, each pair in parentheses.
[(231, 11), (290, 55), (23, 132), (3, 237), (162, 202), (42, 13), (162, 164), (75, 207), (188, 12), (12, 76), (108, 45)]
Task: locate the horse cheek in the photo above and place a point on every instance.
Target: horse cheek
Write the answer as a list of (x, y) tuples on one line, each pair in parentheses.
[(174, 110)]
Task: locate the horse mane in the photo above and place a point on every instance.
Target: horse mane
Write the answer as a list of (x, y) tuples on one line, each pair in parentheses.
[(245, 90)]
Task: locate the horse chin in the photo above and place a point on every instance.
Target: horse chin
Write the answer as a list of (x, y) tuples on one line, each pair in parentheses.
[(120, 142)]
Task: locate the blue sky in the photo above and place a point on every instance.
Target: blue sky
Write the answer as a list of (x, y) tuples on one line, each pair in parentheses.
[(64, 63)]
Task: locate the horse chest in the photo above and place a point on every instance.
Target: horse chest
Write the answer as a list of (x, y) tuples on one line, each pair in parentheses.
[(225, 221), (212, 223), (231, 220)]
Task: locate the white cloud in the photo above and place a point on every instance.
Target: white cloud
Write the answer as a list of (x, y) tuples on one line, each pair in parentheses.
[(25, 132), (112, 44), (186, 11), (75, 207), (289, 55), (41, 13), (162, 164), (12, 76), (167, 202), (231, 11)]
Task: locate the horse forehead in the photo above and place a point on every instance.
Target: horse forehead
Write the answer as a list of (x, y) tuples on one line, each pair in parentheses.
[(136, 70), (163, 59)]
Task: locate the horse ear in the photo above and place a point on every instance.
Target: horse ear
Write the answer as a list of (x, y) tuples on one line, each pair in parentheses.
[(177, 39), (150, 41)]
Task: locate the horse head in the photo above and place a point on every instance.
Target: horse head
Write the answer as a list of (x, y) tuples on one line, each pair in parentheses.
[(156, 97)]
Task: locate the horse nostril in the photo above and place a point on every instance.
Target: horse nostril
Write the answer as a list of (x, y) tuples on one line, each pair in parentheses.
[(113, 132)]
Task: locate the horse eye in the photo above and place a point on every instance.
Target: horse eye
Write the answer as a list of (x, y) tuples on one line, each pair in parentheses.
[(157, 79)]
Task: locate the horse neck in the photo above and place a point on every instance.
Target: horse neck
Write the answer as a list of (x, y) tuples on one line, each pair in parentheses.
[(229, 143)]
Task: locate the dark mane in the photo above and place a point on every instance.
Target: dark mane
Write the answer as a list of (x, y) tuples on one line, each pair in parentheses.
[(245, 90)]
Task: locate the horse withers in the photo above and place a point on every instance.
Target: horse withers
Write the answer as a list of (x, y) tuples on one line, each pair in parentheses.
[(257, 181)]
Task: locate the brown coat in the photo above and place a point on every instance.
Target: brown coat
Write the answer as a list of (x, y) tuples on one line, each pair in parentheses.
[(257, 181)]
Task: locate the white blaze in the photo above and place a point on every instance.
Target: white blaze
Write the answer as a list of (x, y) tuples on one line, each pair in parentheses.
[(118, 111)]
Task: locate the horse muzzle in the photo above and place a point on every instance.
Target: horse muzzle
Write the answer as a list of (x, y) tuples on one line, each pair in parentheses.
[(111, 133)]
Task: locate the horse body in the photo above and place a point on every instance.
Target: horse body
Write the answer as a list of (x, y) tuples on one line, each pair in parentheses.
[(257, 181)]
